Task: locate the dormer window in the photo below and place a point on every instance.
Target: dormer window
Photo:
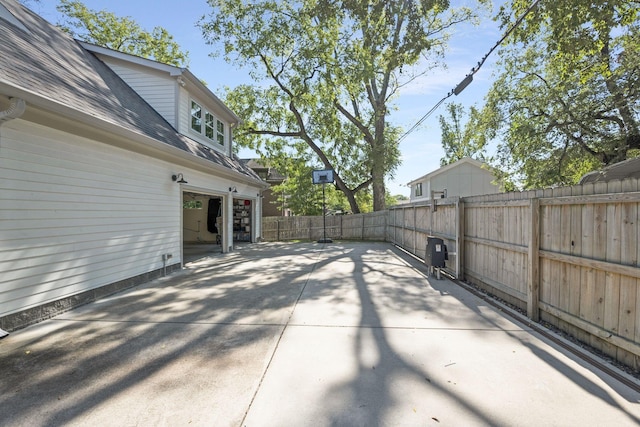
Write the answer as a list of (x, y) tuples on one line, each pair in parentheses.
[(212, 128), (196, 117), (208, 126), (220, 134)]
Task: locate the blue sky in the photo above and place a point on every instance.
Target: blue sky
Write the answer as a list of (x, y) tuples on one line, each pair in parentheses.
[(421, 150)]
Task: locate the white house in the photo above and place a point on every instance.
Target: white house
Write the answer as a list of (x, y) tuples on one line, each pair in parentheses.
[(99, 150), (466, 177)]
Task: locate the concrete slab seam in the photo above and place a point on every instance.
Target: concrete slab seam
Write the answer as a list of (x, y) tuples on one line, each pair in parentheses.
[(275, 348)]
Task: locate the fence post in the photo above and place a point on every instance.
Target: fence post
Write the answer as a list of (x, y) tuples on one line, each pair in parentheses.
[(415, 231), (391, 213), (404, 222), (460, 241), (533, 262)]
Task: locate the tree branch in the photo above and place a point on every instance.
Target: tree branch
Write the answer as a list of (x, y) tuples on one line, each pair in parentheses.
[(365, 130)]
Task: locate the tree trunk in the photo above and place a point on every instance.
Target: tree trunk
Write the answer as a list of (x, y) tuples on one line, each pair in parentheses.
[(351, 197), (379, 191), (379, 161)]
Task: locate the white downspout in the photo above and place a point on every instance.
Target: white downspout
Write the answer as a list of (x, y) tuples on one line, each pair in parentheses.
[(17, 106)]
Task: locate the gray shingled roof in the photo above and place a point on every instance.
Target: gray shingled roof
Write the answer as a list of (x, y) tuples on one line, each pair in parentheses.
[(49, 63), (626, 169), (273, 175)]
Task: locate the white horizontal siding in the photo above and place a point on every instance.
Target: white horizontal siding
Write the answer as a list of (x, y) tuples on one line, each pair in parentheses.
[(465, 180), (184, 112), (76, 215), (157, 90)]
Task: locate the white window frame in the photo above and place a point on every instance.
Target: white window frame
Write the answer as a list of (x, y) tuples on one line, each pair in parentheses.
[(418, 190), (220, 133), (195, 114), (204, 123), (209, 122)]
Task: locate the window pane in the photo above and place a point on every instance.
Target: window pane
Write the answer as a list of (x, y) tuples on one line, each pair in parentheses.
[(196, 117), (208, 127), (220, 128)]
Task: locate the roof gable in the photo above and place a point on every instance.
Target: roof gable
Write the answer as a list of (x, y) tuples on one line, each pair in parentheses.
[(182, 75), (464, 161), (51, 68), (272, 175)]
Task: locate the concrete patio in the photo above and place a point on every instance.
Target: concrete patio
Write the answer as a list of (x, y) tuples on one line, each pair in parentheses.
[(305, 334)]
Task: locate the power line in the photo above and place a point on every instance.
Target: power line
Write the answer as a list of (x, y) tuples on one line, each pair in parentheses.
[(469, 77)]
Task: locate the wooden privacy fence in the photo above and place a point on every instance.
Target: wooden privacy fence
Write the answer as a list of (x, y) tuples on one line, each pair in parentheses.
[(410, 225), (349, 227), (568, 256)]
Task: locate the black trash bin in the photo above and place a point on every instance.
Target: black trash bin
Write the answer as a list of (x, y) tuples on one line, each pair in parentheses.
[(436, 254)]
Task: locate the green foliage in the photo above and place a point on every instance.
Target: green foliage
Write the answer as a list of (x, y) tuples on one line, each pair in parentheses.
[(297, 192), (461, 138), (192, 204), (327, 74), (301, 196), (105, 29), (567, 100), (396, 199)]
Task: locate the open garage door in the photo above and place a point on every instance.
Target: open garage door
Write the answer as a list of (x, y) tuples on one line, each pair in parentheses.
[(202, 225), (243, 215)]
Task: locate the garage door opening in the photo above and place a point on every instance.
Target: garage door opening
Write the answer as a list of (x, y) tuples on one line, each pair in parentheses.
[(202, 226), (242, 220)]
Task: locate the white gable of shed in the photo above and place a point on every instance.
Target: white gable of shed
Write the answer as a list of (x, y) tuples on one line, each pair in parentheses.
[(466, 177)]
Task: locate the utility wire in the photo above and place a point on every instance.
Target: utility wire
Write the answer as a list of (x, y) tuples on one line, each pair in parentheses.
[(469, 77)]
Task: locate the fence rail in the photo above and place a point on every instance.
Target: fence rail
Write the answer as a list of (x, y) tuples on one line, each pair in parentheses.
[(568, 256), (348, 227)]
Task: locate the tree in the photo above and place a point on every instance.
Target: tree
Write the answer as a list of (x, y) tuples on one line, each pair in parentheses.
[(396, 199), (567, 101), (461, 138), (122, 34), (333, 68), (298, 193)]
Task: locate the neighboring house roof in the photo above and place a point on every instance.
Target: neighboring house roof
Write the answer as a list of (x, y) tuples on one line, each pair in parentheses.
[(272, 175), (448, 167), (626, 169), (51, 70)]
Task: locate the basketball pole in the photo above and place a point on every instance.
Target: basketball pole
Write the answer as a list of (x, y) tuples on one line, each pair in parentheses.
[(324, 219)]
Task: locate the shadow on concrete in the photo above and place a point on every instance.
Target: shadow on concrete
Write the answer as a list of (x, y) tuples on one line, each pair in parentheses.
[(356, 406), (203, 336), (70, 366)]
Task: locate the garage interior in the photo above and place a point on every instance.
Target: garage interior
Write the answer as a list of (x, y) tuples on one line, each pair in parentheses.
[(202, 224)]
